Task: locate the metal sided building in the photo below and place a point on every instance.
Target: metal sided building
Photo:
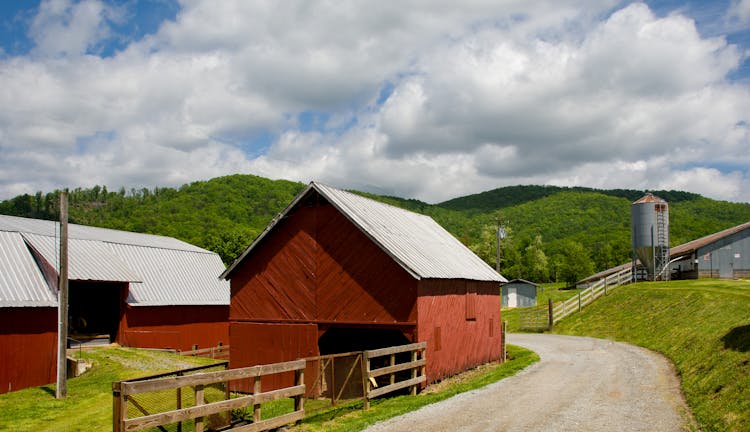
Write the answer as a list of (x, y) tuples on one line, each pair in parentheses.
[(138, 290), (725, 254), (336, 272), (519, 293)]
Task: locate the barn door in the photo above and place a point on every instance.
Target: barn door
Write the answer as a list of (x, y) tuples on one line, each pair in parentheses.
[(726, 267)]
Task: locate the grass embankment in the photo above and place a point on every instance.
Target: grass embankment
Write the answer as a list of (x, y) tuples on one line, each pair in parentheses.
[(555, 291), (351, 417), (703, 326), (88, 406)]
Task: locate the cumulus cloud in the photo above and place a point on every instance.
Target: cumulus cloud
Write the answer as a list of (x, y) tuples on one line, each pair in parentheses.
[(421, 100)]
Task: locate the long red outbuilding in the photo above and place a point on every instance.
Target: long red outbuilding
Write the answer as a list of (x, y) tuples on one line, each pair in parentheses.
[(138, 290)]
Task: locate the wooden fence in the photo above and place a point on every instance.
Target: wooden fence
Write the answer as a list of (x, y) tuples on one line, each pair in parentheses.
[(543, 317), (217, 352), (335, 376), (598, 289), (123, 393), (393, 369)]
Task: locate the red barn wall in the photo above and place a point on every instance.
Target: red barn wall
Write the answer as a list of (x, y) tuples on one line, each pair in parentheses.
[(174, 327), (28, 347), (455, 343), (266, 343), (316, 266)]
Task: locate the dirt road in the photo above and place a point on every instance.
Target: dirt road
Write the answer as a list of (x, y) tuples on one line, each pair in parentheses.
[(580, 384)]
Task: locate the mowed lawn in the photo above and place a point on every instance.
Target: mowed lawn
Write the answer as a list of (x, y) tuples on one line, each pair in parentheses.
[(703, 326), (88, 406)]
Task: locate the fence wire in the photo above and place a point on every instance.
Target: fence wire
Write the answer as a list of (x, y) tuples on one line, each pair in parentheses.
[(148, 403)]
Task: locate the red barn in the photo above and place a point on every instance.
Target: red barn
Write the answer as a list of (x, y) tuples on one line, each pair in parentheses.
[(138, 290), (337, 272)]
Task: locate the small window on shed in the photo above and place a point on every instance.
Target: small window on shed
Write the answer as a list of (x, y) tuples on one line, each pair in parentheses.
[(471, 302)]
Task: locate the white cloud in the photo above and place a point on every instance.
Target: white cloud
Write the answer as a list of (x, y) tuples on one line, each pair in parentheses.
[(476, 95)]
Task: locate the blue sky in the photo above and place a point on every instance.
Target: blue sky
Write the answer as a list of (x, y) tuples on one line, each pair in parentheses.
[(398, 98)]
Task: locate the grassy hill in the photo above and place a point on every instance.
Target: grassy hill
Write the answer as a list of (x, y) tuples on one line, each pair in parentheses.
[(544, 222), (703, 326)]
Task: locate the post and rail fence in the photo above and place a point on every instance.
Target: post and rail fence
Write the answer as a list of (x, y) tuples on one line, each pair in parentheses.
[(400, 374), (545, 316), (202, 400), (205, 399)]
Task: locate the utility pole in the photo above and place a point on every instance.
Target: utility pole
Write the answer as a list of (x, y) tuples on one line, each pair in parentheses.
[(500, 236), (62, 302)]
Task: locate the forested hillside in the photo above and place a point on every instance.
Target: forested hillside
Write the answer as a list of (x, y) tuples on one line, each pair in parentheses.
[(554, 233)]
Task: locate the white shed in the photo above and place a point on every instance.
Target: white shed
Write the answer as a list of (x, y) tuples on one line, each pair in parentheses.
[(519, 293)]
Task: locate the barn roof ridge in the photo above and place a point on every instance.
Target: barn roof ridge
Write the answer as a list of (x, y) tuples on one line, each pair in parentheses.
[(416, 242)]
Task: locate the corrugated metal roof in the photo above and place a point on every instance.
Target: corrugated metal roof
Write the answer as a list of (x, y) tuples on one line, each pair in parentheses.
[(21, 281), (83, 232), (691, 246), (162, 270), (87, 259), (172, 277), (416, 242)]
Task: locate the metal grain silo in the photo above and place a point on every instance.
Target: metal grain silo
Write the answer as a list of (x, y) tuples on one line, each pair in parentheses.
[(650, 235)]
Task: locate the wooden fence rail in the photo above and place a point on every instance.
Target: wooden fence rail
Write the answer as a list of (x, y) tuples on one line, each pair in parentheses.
[(598, 289), (123, 392), (217, 352), (416, 366), (538, 318)]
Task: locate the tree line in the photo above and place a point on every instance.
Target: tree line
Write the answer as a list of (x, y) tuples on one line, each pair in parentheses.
[(553, 233)]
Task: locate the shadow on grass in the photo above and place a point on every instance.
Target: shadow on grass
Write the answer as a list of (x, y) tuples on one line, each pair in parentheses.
[(738, 339)]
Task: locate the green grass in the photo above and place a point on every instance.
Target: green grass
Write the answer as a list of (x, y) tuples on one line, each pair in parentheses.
[(703, 326), (351, 417), (88, 406), (554, 291)]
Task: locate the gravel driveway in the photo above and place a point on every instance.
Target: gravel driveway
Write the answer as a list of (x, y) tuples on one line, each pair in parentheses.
[(580, 384)]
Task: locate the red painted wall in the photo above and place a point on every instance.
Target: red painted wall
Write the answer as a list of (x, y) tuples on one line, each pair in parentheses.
[(174, 327), (28, 347), (316, 266), (455, 343), (266, 343)]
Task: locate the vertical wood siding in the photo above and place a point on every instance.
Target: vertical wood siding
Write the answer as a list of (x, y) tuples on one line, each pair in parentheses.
[(174, 327), (455, 343), (265, 343), (28, 347)]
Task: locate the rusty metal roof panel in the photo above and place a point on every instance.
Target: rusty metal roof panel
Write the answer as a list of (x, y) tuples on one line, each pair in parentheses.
[(691, 246), (21, 282), (649, 198)]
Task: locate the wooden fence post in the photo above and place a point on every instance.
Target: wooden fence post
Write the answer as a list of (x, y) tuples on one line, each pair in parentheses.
[(119, 410), (505, 345), (413, 373), (256, 407), (199, 401), (579, 301), (299, 400), (550, 314), (365, 380)]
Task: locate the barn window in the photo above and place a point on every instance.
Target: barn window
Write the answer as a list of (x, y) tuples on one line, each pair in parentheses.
[(438, 344), (492, 327), (471, 302)]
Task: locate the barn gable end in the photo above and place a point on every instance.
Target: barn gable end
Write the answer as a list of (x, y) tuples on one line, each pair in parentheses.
[(364, 275)]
